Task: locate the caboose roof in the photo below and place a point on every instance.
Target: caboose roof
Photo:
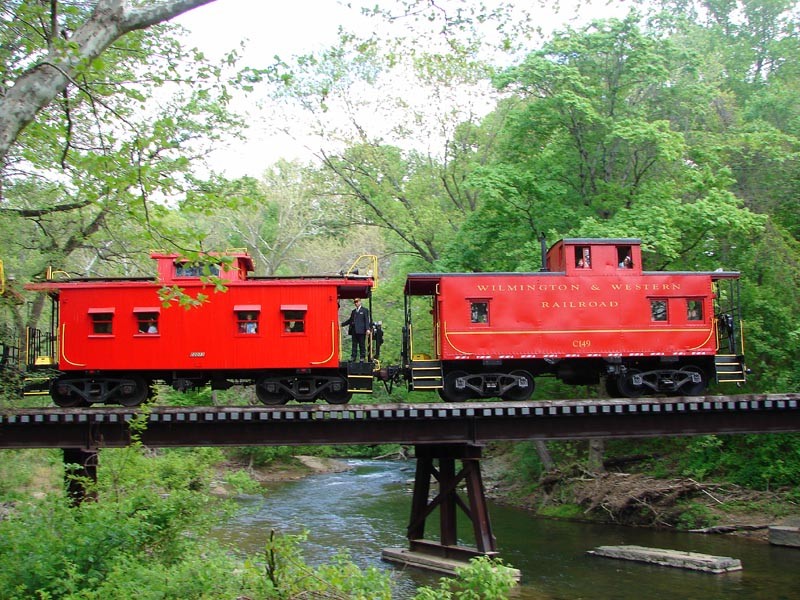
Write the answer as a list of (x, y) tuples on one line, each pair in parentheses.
[(424, 284), (241, 257), (599, 242)]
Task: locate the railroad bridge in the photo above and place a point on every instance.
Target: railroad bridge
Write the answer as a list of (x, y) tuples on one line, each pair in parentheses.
[(441, 433)]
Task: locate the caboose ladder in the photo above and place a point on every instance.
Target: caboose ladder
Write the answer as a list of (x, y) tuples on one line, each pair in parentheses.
[(426, 374), (730, 368)]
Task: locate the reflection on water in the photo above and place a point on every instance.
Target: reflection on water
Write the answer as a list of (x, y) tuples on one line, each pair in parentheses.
[(366, 509)]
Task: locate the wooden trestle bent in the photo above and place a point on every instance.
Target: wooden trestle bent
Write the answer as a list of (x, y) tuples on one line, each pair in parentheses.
[(448, 501)]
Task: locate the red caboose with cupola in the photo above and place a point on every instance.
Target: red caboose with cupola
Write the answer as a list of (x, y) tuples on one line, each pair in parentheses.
[(591, 313), (114, 338)]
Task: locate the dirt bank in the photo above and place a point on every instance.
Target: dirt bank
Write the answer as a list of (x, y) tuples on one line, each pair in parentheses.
[(639, 500)]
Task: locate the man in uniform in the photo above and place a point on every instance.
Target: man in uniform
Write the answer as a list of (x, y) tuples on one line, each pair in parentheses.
[(357, 326)]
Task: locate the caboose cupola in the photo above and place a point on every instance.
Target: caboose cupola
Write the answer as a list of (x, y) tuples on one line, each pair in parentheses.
[(596, 256), (233, 265)]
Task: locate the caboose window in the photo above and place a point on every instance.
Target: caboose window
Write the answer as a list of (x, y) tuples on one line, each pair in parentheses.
[(694, 310), (185, 269), (658, 310), (247, 317), (147, 319), (624, 257), (294, 317), (583, 257), (479, 311), (102, 320)]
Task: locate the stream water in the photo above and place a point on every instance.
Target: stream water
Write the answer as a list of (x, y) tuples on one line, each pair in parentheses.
[(366, 508)]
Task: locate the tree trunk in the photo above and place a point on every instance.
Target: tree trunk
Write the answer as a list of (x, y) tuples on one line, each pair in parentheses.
[(544, 455), (597, 448)]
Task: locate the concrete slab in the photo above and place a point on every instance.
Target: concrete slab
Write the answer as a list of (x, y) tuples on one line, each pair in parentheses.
[(783, 535), (671, 558)]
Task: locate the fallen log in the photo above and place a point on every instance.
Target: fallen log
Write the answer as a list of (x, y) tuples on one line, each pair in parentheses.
[(728, 528)]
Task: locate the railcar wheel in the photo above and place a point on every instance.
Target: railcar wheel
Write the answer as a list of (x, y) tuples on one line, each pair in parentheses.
[(341, 397), (519, 393), (627, 388), (272, 398), (63, 397), (271, 394), (690, 388), (611, 387), (450, 392), (133, 392)]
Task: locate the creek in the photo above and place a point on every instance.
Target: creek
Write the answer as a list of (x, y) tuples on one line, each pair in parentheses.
[(366, 508)]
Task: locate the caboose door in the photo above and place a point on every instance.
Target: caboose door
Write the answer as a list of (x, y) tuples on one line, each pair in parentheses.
[(421, 341)]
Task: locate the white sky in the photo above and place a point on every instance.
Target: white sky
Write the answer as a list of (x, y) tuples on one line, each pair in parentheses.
[(270, 28), (294, 27)]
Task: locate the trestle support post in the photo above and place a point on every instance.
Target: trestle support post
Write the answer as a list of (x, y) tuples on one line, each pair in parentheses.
[(438, 462), (80, 474)]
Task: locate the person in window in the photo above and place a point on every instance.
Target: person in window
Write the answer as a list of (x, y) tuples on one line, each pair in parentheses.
[(152, 328), (627, 263), (695, 311), (357, 327), (294, 327), (582, 264), (249, 325)]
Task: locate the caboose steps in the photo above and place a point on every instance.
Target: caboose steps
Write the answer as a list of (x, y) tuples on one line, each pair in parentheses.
[(730, 368), (359, 377), (426, 374)]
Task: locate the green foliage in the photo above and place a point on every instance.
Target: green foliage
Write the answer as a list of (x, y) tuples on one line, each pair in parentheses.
[(212, 574), (25, 471), (482, 579), (241, 481), (154, 547), (192, 397), (123, 472), (290, 577), (756, 461), (562, 511), (147, 537), (352, 581), (695, 516), (259, 456), (59, 550), (526, 462)]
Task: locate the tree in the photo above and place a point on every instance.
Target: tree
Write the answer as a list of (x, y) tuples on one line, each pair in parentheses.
[(68, 56), (423, 89), (286, 219), (749, 52), (597, 140)]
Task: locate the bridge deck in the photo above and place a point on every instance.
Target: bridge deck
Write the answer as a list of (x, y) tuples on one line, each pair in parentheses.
[(470, 423)]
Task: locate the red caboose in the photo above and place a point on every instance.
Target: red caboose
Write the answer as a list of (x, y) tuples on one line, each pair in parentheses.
[(115, 338), (591, 313)]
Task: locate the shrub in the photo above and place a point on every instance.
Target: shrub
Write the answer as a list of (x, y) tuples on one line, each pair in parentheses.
[(481, 579)]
